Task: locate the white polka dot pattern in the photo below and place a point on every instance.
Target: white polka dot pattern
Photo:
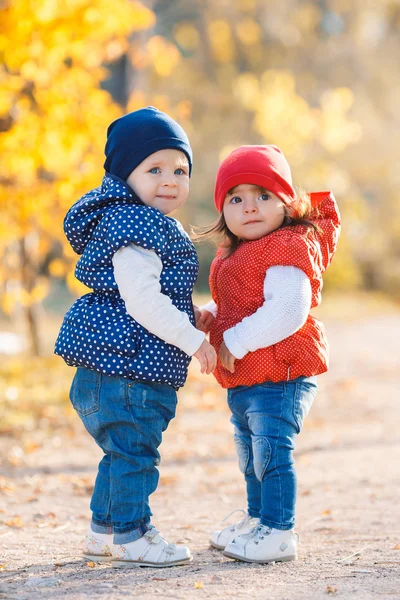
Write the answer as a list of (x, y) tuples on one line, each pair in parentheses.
[(237, 287), (97, 332)]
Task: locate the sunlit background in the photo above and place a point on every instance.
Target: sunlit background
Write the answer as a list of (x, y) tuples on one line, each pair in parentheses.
[(319, 79)]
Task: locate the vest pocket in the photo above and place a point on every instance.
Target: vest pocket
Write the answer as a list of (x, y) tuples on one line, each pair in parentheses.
[(85, 391)]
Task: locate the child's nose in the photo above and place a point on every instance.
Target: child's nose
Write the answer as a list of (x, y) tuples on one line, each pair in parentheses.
[(170, 181), (250, 207)]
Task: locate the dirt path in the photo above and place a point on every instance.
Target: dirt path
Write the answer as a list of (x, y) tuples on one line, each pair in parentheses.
[(348, 461)]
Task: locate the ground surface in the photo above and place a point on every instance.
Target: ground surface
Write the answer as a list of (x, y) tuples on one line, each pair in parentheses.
[(348, 459)]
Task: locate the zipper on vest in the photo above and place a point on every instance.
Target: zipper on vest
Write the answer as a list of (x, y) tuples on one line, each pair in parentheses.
[(288, 373)]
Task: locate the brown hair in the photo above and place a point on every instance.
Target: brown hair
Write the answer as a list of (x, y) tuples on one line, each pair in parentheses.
[(299, 214)]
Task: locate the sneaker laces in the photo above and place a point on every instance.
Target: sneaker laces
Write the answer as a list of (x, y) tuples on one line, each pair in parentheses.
[(240, 524), (260, 532)]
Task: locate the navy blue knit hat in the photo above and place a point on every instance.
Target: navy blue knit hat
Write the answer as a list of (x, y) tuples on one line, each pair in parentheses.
[(133, 137)]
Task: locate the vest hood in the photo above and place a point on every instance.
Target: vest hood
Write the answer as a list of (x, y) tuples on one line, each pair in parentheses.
[(83, 217)]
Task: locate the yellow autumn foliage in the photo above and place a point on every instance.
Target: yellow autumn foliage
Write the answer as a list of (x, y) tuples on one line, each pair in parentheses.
[(53, 117), (315, 80)]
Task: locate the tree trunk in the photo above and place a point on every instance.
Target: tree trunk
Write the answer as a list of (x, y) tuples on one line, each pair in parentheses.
[(28, 280)]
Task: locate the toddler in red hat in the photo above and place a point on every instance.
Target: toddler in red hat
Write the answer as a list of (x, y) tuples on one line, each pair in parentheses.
[(264, 280)]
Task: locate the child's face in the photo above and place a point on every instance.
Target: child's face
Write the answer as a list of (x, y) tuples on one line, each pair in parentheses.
[(251, 212), (162, 180)]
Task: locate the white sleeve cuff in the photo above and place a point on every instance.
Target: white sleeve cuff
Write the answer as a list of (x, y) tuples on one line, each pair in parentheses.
[(193, 341), (211, 307), (233, 345)]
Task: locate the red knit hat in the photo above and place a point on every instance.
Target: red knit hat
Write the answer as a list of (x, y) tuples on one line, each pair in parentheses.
[(265, 166)]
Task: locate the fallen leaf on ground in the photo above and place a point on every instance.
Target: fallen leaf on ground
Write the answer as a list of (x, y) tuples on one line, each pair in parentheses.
[(6, 488), (168, 479), (31, 447), (91, 564), (330, 589), (198, 585), (16, 522)]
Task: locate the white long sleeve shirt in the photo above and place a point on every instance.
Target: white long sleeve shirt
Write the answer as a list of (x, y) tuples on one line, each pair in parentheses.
[(137, 273), (287, 303)]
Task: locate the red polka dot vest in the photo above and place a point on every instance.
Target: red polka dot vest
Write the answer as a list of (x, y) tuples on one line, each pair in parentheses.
[(237, 287)]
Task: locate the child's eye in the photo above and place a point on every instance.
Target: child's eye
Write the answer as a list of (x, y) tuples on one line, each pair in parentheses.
[(155, 170), (265, 197), (235, 200), (180, 171)]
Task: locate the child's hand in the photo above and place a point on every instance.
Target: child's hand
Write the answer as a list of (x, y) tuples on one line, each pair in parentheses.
[(227, 358), (204, 319), (207, 357), (198, 317), (207, 320)]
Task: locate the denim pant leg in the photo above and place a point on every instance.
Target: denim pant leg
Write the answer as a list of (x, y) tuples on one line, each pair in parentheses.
[(135, 475), (85, 397), (242, 438), (275, 414), (127, 420), (100, 504)]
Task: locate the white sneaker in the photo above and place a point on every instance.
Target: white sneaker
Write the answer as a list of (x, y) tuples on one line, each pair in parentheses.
[(221, 537), (151, 550), (98, 546), (264, 545)]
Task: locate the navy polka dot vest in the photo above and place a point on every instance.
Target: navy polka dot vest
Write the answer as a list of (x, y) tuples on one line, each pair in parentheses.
[(97, 332)]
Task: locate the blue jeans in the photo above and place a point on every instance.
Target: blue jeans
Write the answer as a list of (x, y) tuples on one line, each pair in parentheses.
[(126, 418), (267, 418)]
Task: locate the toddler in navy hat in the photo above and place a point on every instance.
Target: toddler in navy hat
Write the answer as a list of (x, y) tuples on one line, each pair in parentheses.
[(132, 337), (133, 137)]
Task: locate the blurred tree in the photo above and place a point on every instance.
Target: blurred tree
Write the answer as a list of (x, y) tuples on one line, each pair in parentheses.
[(53, 119), (316, 78)]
